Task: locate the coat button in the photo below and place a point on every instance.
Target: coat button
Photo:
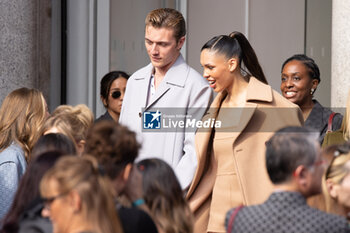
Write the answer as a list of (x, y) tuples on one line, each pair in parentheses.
[(140, 114)]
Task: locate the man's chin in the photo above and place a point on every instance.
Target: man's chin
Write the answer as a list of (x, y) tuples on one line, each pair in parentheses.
[(157, 64)]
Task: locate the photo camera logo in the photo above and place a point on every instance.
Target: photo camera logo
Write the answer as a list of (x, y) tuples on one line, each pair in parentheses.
[(152, 120)]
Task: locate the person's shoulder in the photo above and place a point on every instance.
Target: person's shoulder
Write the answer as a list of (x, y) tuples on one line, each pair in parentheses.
[(325, 111), (245, 211), (14, 153), (38, 224), (330, 221), (105, 117), (337, 118), (244, 218), (32, 221)]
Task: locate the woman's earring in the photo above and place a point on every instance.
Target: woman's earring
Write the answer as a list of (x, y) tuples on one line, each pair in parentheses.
[(312, 91)]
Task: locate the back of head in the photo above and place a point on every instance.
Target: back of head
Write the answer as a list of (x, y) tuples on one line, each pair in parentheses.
[(167, 18), (113, 145), (337, 170), (80, 111), (58, 124), (236, 45), (22, 115), (163, 196), (287, 149), (314, 71), (73, 122), (83, 175), (53, 142)]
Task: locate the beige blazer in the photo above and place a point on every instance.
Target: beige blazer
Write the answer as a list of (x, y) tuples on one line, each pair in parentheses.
[(244, 179)]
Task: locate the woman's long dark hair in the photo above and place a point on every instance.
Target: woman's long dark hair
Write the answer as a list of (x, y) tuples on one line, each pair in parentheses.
[(237, 45)]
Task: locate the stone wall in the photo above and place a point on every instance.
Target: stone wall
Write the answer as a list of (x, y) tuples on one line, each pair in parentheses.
[(25, 31), (340, 53)]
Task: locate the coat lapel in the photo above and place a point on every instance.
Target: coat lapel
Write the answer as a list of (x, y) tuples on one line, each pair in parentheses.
[(203, 138), (201, 141), (176, 76), (144, 82), (263, 95), (162, 89)]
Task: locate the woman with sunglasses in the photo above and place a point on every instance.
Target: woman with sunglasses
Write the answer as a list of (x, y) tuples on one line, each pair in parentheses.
[(79, 198), (112, 92), (336, 182)]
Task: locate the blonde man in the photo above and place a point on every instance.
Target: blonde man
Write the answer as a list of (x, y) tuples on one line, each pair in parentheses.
[(168, 85)]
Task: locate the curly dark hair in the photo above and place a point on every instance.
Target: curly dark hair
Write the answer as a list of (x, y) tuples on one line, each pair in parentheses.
[(113, 145)]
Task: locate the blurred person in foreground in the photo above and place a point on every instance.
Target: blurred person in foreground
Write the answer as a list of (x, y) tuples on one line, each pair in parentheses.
[(78, 197), (295, 167), (164, 198), (115, 147), (336, 182), (24, 215)]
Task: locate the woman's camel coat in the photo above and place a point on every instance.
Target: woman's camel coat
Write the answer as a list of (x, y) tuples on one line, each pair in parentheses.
[(243, 178)]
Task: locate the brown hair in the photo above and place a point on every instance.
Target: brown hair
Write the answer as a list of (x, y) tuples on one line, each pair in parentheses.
[(164, 198), (82, 174), (167, 18), (113, 145), (22, 115)]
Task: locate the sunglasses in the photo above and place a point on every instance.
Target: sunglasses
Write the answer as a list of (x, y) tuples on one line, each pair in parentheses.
[(48, 200), (116, 94)]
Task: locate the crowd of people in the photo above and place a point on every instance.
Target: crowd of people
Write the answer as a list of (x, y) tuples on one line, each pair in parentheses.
[(274, 163)]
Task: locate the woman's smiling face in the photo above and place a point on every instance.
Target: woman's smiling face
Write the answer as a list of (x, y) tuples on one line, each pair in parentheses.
[(216, 70), (296, 83)]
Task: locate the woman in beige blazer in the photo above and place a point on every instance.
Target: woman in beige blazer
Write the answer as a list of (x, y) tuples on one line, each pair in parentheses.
[(231, 158)]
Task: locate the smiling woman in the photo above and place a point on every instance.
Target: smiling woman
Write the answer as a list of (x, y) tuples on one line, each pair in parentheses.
[(231, 163), (299, 80)]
